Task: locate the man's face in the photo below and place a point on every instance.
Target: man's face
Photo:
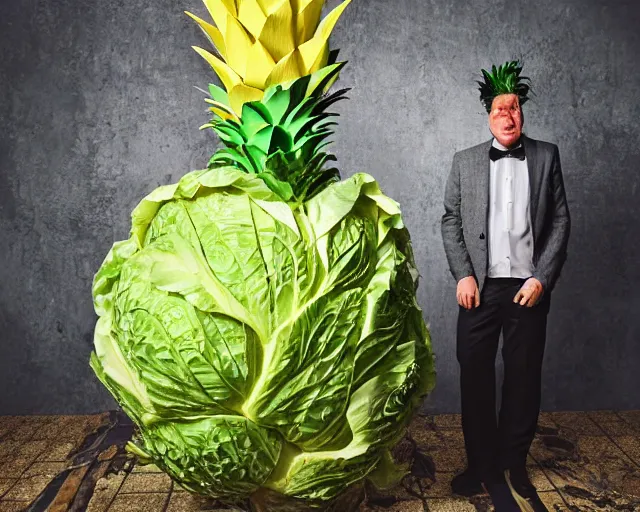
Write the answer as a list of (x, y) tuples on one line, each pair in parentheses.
[(505, 119)]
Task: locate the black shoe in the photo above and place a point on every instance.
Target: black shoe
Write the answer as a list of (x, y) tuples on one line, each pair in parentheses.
[(523, 486), (501, 497), (519, 478), (466, 484), (535, 501)]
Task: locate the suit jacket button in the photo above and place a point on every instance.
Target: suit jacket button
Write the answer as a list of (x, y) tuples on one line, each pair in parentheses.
[(481, 236)]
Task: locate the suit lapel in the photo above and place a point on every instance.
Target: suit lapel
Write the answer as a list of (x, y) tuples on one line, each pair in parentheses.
[(535, 177), (483, 166)]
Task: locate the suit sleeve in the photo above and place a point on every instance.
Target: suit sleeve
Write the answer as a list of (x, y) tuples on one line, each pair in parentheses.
[(554, 251), (454, 246)]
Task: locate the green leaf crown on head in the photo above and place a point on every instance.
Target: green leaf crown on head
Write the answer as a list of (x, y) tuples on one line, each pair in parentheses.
[(504, 79)]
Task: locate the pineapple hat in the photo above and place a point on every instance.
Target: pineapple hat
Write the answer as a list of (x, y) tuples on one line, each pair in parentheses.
[(504, 79), (264, 43), (274, 63)]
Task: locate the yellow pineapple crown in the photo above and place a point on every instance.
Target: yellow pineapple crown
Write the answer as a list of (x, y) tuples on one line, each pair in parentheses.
[(262, 43)]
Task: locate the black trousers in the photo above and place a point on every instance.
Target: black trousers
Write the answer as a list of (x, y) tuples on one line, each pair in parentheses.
[(495, 444)]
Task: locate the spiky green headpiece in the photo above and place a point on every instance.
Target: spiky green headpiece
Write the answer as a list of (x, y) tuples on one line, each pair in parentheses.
[(505, 79)]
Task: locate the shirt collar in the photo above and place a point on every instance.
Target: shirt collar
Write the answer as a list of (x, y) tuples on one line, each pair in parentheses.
[(496, 144)]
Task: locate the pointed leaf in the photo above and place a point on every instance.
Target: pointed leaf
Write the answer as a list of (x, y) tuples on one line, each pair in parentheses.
[(255, 117), (251, 16), (269, 6), (213, 34), (241, 94), (259, 66), (301, 112), (327, 101), (280, 139), (218, 94), (308, 144), (321, 78), (277, 35), (298, 89), (221, 114), (219, 105), (308, 19), (321, 59), (316, 123), (312, 49), (228, 76), (262, 139), (232, 157), (278, 105), (289, 68), (282, 188), (218, 9), (228, 134), (270, 91), (257, 157), (218, 12), (333, 57), (320, 147), (238, 43)]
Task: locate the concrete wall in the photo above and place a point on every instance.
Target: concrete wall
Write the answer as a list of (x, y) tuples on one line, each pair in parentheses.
[(97, 108)]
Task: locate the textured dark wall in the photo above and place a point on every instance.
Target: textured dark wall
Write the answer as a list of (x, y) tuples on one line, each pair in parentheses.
[(97, 108)]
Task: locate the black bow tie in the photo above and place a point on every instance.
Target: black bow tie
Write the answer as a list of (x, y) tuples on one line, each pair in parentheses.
[(497, 154)]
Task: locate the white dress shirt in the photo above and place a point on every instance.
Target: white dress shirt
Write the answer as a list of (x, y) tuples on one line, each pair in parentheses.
[(510, 238)]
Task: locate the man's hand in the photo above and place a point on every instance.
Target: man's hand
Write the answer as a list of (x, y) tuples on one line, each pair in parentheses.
[(530, 293), (467, 292)]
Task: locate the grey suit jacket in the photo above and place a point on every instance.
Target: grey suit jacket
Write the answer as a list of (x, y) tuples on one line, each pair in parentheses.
[(466, 204)]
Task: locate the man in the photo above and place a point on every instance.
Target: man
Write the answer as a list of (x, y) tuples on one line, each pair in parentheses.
[(505, 231)]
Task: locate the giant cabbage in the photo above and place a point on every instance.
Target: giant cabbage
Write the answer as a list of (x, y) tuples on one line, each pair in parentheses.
[(264, 344)]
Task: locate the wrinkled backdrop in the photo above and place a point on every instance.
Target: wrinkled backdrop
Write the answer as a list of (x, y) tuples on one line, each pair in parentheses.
[(97, 107)]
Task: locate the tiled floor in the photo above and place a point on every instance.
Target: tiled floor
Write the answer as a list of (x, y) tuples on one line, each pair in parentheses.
[(579, 462)]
